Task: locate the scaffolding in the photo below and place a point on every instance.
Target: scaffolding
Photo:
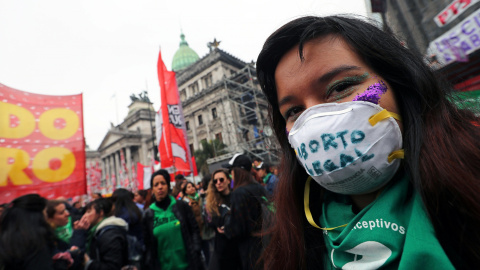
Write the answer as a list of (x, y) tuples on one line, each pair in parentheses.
[(249, 124)]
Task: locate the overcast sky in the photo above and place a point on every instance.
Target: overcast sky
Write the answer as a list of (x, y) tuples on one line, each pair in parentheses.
[(107, 48)]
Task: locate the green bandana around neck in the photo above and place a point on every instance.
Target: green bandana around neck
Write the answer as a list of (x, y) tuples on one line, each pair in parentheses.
[(393, 232), (194, 197), (265, 179), (91, 234), (65, 232)]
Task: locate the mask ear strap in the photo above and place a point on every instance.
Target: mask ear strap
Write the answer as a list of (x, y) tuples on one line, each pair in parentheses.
[(306, 203), (308, 213), (396, 154), (384, 114)]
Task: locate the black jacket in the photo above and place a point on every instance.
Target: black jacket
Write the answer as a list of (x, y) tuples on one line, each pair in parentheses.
[(246, 221), (190, 234), (109, 247), (225, 251)]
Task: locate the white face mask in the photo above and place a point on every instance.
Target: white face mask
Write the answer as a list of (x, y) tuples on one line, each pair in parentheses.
[(348, 148)]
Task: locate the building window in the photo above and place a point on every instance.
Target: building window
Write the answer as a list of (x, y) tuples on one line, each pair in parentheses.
[(200, 120), (214, 113), (207, 80), (193, 88), (218, 136), (183, 95), (187, 125)]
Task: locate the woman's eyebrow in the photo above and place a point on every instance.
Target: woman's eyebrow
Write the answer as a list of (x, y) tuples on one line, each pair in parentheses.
[(285, 100), (323, 79), (334, 72)]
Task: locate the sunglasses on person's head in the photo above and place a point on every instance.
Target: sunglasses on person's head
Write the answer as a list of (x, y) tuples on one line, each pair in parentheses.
[(219, 179)]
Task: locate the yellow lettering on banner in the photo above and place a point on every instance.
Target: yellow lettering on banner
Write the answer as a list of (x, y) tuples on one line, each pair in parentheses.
[(41, 164), (15, 171), (47, 127), (26, 121)]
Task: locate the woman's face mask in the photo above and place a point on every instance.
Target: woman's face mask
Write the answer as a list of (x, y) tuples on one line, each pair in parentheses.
[(327, 99), (348, 148)]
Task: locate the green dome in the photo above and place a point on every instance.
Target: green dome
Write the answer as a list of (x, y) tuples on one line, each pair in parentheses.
[(184, 56)]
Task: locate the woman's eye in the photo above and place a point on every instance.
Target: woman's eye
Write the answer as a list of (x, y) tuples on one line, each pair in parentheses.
[(341, 90), (340, 87), (292, 114)]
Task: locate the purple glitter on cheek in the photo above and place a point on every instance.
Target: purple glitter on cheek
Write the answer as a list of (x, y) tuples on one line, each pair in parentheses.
[(373, 93), (286, 131)]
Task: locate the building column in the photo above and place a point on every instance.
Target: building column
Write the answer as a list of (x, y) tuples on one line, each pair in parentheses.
[(104, 173), (128, 155), (207, 125), (194, 132), (117, 167), (143, 153)]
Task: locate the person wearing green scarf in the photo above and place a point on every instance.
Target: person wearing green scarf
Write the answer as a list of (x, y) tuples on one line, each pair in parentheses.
[(106, 242), (59, 218), (379, 166), (172, 238), (195, 202), (269, 179)]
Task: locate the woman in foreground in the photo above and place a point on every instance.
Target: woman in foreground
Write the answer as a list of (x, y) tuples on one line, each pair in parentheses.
[(394, 163), (172, 238)]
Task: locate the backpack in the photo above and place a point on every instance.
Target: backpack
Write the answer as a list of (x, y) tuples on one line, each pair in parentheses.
[(267, 210), (135, 250)]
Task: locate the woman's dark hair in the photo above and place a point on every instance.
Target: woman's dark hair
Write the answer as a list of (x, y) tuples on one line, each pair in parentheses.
[(123, 200), (184, 190), (165, 175), (206, 181), (440, 141), (143, 193), (51, 205), (242, 177), (102, 204), (23, 228)]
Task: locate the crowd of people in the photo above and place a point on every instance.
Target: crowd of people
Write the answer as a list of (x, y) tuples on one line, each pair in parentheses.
[(208, 225), (379, 169)]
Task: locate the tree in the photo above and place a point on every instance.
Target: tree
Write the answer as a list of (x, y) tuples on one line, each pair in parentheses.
[(208, 150)]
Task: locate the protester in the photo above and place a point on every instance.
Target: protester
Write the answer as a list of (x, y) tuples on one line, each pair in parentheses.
[(59, 219), (225, 251), (172, 237), (2, 208), (77, 205), (246, 213), (207, 233), (257, 162), (126, 209), (180, 182), (327, 79), (27, 241), (96, 196), (195, 202), (106, 243), (150, 198), (269, 179), (140, 197)]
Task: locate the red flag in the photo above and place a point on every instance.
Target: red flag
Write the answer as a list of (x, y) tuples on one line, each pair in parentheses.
[(171, 133), (194, 163), (139, 175), (42, 147)]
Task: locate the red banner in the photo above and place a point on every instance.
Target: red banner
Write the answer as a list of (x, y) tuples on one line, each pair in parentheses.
[(171, 133), (42, 146), (94, 178)]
